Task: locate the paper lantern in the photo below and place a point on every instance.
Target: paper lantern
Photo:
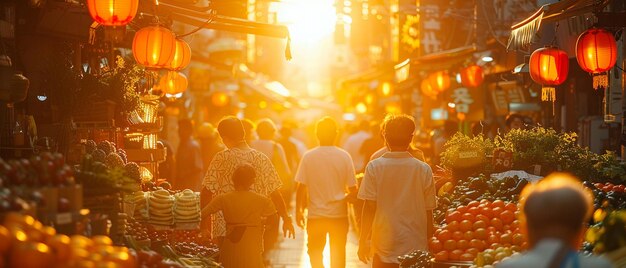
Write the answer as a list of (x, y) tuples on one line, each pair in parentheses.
[(220, 99), (427, 89), (173, 83), (182, 56), (154, 47), (596, 53), (440, 81), (548, 67), (113, 12), (472, 76)]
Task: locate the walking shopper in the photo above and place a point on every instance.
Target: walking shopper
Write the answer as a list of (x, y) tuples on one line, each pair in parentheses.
[(266, 131), (555, 212), (189, 166), (221, 169), (244, 212), (399, 194), (353, 145), (326, 176)]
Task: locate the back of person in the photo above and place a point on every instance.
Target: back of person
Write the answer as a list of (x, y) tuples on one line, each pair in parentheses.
[(326, 170), (545, 251)]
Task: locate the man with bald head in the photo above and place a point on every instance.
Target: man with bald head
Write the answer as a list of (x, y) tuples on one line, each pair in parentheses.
[(555, 213)]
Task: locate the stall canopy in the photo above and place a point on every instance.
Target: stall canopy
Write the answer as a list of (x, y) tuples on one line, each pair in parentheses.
[(522, 33), (444, 59)]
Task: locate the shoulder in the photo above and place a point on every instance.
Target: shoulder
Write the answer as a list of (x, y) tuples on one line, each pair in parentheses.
[(594, 261), (521, 261)]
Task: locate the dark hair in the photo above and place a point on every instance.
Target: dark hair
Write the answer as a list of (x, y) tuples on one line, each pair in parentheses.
[(231, 128), (512, 117), (266, 129), (326, 130), (399, 129), (558, 201), (243, 176)]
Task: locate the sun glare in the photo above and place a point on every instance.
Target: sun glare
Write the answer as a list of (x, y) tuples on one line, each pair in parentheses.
[(309, 21)]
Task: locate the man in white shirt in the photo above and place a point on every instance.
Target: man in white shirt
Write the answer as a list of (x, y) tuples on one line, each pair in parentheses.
[(326, 176), (556, 211), (399, 194), (353, 145)]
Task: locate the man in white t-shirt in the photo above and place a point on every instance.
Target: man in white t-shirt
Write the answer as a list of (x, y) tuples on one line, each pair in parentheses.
[(399, 194), (326, 176), (353, 145)]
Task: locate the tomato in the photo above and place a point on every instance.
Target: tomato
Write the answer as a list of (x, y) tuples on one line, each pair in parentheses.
[(607, 188), (468, 216), (510, 207), (473, 204), (462, 244), (442, 255), (497, 223), (466, 225), (496, 212), (486, 211), (517, 239), (466, 257), (462, 209), (479, 224), (472, 250), (497, 204), (469, 235), (492, 239), (453, 226), (506, 238), (480, 233), (507, 217), (444, 235), (598, 185), (453, 216), (474, 211), (435, 245), (458, 235), (455, 255), (483, 218), (477, 244), (449, 245)]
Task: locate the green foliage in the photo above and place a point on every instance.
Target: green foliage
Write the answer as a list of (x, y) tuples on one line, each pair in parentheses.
[(530, 147), (460, 143), (122, 81), (610, 168)]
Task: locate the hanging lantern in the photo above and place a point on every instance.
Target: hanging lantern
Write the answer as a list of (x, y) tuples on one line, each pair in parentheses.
[(596, 52), (220, 99), (548, 67), (154, 47), (472, 76), (440, 81), (182, 56), (173, 83), (113, 12), (427, 88)]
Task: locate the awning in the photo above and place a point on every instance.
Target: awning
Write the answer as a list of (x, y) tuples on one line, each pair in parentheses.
[(444, 59), (522, 33)]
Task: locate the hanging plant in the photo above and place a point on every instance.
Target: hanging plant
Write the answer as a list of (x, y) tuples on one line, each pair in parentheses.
[(123, 81)]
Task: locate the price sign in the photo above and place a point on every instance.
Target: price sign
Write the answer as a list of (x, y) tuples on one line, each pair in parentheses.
[(64, 218), (502, 160)]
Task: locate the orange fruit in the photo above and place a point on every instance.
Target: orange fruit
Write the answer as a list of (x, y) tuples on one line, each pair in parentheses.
[(497, 204), (480, 233), (453, 216), (518, 239), (444, 235), (495, 212), (453, 226), (468, 216), (472, 250), (479, 224), (462, 209), (465, 225), (477, 244), (455, 255), (507, 217), (466, 257), (512, 207), (458, 235), (442, 255), (482, 217), (473, 204), (492, 239), (486, 211), (506, 238), (469, 235), (497, 223), (474, 211), (462, 244), (435, 245), (449, 245)]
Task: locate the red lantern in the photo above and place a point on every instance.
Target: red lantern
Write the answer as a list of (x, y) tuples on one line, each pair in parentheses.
[(113, 12), (596, 52), (472, 76), (154, 46), (173, 83), (182, 56), (548, 67), (440, 81), (427, 89)]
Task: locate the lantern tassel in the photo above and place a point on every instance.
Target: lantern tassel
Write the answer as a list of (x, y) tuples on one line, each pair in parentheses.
[(548, 94), (600, 81), (288, 49)]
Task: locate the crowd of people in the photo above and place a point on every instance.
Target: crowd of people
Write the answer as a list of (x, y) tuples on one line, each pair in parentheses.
[(247, 188)]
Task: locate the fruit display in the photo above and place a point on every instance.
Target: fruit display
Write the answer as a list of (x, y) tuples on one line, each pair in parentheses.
[(476, 227), (608, 232), (38, 171), (416, 259), (187, 209), (491, 257), (105, 167), (139, 205), (161, 207), (607, 195)]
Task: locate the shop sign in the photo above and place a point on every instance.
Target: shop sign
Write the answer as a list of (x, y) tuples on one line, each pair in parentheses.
[(502, 160), (504, 93), (468, 101), (431, 28)]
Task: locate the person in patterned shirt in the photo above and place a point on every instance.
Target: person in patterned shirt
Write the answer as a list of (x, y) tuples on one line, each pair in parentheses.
[(218, 180)]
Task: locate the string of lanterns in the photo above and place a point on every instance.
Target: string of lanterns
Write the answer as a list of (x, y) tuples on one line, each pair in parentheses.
[(154, 47)]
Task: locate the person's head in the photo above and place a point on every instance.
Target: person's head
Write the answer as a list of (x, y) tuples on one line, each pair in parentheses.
[(558, 207), (243, 177), (514, 121), (185, 128), (248, 127), (266, 129), (326, 131), (231, 131), (398, 131), (206, 131)]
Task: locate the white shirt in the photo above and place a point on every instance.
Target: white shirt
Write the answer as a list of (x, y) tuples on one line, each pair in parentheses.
[(541, 255), (300, 146), (269, 147), (403, 189), (326, 171), (353, 146)]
